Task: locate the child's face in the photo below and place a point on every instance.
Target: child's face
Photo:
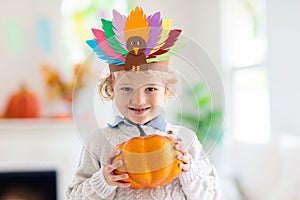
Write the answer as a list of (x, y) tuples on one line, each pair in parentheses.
[(139, 97)]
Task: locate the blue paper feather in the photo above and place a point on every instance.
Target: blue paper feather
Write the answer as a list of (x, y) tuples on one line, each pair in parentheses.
[(93, 44)]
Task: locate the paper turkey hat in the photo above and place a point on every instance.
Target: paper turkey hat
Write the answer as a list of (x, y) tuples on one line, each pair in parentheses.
[(136, 42)]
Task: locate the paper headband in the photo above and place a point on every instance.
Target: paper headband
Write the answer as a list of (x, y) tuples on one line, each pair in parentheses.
[(133, 42)]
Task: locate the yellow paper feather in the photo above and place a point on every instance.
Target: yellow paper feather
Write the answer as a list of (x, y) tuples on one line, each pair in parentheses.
[(137, 25)]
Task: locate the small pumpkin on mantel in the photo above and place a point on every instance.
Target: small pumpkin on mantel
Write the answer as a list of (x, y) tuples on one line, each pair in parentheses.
[(150, 161), (23, 104)]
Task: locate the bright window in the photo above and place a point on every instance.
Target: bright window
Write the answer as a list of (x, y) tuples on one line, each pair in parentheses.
[(245, 51), (250, 110)]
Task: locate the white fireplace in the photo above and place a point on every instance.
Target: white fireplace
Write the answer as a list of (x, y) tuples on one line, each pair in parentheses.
[(40, 145)]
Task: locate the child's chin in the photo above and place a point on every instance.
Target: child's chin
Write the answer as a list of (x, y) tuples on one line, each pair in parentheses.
[(140, 120)]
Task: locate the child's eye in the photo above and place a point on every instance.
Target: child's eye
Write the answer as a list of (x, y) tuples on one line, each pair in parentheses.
[(126, 89), (151, 89)]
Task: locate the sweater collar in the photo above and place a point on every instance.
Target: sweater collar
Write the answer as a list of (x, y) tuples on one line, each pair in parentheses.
[(159, 122)]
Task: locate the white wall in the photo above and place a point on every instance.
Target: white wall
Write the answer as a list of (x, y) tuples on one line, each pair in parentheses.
[(25, 65), (283, 63), (199, 19)]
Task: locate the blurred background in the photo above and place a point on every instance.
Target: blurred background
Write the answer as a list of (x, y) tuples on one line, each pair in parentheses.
[(254, 45)]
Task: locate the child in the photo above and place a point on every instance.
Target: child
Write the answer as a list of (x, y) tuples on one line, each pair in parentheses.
[(139, 90)]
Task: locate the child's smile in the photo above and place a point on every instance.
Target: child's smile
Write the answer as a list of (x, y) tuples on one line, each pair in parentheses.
[(139, 97), (139, 111)]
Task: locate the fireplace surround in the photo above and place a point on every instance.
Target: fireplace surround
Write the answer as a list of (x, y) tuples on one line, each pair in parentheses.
[(28, 185), (39, 147)]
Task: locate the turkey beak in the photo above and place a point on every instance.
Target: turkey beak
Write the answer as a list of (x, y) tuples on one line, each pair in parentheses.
[(136, 50)]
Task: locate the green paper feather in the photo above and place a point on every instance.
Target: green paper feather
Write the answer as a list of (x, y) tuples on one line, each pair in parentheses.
[(172, 51), (110, 36)]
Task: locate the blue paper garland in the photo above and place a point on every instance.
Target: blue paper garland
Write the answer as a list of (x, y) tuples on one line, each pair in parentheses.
[(45, 39)]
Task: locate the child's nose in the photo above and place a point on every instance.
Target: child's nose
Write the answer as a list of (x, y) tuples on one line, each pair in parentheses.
[(138, 98)]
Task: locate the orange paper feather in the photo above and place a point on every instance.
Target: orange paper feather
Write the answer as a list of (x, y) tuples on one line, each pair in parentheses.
[(137, 25)]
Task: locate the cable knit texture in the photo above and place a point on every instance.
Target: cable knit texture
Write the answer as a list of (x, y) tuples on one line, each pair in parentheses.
[(200, 182)]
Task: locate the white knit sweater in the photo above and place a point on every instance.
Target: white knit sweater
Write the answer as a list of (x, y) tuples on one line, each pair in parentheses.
[(200, 182)]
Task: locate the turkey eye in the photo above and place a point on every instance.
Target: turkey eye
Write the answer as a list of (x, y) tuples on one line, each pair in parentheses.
[(139, 42), (132, 43)]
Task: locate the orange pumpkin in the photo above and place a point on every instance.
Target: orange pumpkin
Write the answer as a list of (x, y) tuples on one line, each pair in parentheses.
[(23, 104), (150, 161)]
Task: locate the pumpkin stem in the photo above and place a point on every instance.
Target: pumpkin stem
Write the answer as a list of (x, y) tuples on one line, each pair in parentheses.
[(23, 86)]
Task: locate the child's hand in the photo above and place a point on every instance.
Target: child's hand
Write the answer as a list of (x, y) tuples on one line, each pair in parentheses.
[(185, 157), (108, 171)]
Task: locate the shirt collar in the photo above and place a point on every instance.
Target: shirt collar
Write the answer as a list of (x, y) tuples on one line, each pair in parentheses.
[(159, 122)]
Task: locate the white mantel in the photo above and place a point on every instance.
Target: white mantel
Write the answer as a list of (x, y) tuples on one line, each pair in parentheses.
[(44, 144)]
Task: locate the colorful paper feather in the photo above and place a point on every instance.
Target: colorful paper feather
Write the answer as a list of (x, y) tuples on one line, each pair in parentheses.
[(161, 41), (94, 45), (118, 22), (110, 36), (103, 44), (170, 41), (155, 23), (137, 25), (166, 27), (172, 51)]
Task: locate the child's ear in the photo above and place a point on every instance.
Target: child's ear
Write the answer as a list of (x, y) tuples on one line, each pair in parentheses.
[(112, 92), (168, 92)]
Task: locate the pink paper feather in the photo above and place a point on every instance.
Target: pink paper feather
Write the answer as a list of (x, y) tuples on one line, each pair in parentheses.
[(104, 46)]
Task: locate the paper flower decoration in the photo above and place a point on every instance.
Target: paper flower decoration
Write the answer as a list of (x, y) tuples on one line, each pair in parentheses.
[(135, 40), (57, 87)]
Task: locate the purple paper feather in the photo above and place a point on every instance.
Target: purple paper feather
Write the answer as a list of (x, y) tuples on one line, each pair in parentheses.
[(155, 23), (118, 23)]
